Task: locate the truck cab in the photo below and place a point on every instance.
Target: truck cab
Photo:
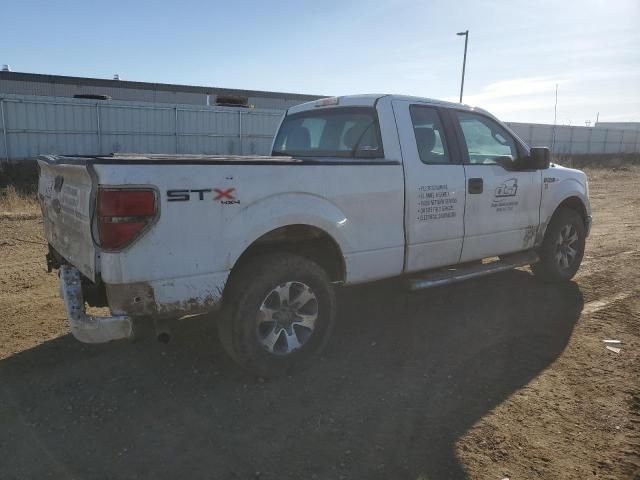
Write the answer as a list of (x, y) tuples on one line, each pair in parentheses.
[(471, 187)]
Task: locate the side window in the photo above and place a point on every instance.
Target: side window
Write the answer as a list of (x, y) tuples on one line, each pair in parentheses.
[(429, 134), (487, 142)]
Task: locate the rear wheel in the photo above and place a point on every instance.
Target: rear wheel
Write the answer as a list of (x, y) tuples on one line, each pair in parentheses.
[(278, 315), (562, 248)]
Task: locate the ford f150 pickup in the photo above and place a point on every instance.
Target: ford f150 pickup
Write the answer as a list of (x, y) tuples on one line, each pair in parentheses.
[(358, 188)]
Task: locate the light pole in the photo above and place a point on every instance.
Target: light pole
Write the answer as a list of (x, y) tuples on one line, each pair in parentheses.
[(464, 60)]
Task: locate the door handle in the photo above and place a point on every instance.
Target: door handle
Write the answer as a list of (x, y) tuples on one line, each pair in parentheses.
[(475, 185)]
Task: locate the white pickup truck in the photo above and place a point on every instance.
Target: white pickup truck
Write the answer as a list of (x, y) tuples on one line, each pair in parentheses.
[(358, 188)]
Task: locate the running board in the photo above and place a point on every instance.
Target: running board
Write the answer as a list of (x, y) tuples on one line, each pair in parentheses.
[(458, 274)]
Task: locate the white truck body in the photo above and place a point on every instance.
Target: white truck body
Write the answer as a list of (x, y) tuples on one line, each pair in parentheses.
[(386, 215)]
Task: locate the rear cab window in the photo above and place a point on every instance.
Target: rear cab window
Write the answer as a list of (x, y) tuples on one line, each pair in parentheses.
[(347, 132)]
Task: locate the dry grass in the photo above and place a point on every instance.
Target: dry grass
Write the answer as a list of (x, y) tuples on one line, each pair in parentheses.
[(15, 201), (604, 173)]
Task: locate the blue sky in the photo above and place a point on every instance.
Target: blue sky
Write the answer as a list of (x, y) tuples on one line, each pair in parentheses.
[(518, 50)]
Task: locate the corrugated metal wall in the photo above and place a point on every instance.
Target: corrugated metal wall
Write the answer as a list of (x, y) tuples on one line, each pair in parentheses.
[(17, 83), (36, 125), (127, 94), (33, 125), (564, 139), (619, 125)]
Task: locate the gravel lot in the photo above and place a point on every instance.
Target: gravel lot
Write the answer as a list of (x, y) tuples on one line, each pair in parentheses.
[(499, 377)]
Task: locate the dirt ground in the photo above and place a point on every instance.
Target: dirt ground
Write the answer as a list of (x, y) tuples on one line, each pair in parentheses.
[(499, 377)]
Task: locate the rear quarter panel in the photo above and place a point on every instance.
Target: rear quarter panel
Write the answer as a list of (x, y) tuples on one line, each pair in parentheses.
[(360, 206)]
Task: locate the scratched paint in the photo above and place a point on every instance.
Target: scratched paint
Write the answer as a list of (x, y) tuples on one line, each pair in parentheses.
[(529, 236)]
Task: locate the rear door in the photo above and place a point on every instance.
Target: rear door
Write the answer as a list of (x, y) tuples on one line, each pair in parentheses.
[(65, 194), (502, 201), (434, 187)]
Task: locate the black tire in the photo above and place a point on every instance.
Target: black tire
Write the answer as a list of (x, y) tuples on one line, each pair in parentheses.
[(242, 325), (551, 267)]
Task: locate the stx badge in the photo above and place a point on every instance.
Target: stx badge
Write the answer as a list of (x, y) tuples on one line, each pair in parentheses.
[(225, 196)]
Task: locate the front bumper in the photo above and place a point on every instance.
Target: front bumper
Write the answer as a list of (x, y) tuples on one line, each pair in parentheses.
[(89, 328)]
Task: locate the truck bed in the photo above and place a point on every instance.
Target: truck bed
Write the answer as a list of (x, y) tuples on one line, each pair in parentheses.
[(210, 209)]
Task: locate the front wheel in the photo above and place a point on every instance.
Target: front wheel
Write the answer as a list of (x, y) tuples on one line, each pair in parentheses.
[(562, 248), (278, 315)]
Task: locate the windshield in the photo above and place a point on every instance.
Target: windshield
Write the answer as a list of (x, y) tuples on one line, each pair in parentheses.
[(336, 132)]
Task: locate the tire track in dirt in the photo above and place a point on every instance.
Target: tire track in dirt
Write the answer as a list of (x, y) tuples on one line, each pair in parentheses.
[(597, 305)]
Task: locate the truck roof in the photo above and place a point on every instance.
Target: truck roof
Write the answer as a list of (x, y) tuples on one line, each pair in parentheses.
[(370, 99)]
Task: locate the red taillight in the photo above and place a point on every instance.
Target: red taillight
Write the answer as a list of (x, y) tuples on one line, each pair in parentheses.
[(126, 203), (123, 214)]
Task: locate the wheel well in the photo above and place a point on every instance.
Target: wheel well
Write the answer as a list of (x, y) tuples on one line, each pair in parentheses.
[(576, 204), (304, 240)]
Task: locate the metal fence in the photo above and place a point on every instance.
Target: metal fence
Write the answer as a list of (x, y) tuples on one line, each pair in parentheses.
[(564, 139), (34, 125)]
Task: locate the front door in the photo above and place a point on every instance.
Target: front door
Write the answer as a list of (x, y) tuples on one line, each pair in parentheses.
[(502, 212), (434, 188)]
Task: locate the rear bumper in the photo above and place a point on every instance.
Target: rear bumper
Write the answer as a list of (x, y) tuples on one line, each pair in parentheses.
[(587, 223), (89, 328)]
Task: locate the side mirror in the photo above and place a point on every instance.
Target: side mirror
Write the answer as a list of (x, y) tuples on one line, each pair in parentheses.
[(539, 158)]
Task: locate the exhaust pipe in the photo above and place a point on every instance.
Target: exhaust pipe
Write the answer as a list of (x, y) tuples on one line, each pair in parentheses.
[(164, 337), (162, 330)]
